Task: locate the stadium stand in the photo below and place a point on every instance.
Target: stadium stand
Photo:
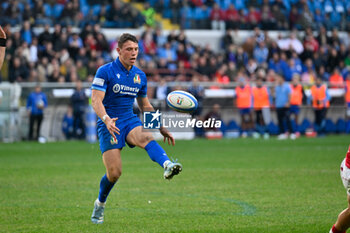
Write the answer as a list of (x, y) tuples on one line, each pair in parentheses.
[(71, 43)]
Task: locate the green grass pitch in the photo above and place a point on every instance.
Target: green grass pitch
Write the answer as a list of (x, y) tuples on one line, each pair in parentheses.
[(241, 185)]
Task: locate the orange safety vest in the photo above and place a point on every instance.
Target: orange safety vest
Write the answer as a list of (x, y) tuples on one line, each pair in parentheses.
[(261, 97), (244, 96), (347, 94), (318, 97), (296, 97)]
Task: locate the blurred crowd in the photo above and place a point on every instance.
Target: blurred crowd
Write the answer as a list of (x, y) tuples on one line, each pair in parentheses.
[(66, 55), (247, 14), (108, 13), (60, 52)]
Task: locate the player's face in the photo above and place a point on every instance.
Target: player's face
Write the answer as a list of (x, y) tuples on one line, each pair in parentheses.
[(128, 53)]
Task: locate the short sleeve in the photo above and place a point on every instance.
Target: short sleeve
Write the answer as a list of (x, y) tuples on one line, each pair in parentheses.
[(143, 90), (100, 80)]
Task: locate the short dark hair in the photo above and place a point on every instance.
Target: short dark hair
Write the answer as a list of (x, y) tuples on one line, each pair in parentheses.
[(125, 37)]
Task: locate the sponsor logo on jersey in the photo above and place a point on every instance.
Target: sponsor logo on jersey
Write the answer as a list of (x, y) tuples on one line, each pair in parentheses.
[(137, 79), (98, 81), (123, 89)]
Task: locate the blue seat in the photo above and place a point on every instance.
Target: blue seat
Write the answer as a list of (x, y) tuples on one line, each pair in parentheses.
[(273, 128), (85, 9), (304, 125), (167, 13), (96, 9), (328, 6), (341, 126), (239, 4), (232, 125), (348, 126), (339, 6), (330, 126), (48, 10), (57, 10)]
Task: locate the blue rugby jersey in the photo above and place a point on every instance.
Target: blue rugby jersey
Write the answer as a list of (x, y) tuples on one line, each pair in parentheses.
[(121, 87)]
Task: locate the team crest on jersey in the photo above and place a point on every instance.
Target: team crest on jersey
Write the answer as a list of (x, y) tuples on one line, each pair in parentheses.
[(114, 141), (137, 79)]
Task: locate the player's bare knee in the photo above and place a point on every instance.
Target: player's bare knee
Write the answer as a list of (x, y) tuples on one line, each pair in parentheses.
[(145, 140), (114, 175)]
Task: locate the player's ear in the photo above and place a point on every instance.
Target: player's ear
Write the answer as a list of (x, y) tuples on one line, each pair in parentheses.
[(118, 50)]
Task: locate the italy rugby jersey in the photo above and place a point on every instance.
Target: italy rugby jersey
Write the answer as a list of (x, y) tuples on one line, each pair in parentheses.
[(121, 87)]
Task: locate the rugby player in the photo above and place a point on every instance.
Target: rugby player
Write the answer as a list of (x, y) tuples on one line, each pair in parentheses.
[(114, 89), (343, 221)]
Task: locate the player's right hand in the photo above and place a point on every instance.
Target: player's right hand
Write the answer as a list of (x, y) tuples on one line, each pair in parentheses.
[(110, 124)]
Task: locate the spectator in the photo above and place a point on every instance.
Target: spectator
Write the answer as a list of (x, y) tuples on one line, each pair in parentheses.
[(323, 74), (149, 14), (217, 17), (282, 104), (241, 58), (261, 53), (39, 13), (68, 14), (175, 6), (45, 36), (291, 43), (336, 80), (323, 38), (347, 96), (232, 17), (296, 98), (75, 43), (78, 102), (306, 18), (213, 114), (13, 13), (309, 74), (36, 102), (261, 100), (45, 70), (320, 102), (67, 123), (244, 104), (268, 20), (18, 71), (26, 32), (197, 90), (333, 60), (253, 17)]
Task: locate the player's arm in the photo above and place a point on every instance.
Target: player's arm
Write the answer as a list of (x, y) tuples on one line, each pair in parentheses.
[(145, 105), (97, 97), (2, 46)]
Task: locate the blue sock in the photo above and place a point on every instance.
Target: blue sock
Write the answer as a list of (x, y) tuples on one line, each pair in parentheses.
[(156, 152), (105, 187)]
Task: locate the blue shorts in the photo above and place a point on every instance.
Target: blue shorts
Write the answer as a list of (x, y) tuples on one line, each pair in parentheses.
[(294, 109), (125, 126), (244, 111)]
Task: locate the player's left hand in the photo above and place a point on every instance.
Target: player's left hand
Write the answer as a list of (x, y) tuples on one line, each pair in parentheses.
[(167, 136), (2, 33)]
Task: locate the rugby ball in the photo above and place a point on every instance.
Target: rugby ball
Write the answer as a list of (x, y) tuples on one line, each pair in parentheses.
[(182, 101)]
